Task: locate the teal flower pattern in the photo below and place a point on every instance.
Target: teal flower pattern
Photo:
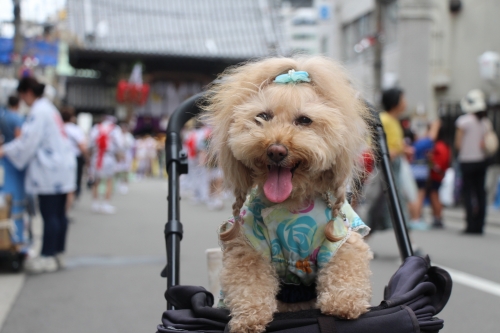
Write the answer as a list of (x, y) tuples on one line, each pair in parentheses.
[(324, 256), (293, 239), (275, 248), (297, 235)]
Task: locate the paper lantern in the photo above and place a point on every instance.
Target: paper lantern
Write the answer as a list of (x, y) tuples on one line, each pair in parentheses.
[(127, 92)]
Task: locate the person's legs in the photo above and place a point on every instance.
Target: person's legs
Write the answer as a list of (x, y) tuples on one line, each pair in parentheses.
[(106, 207), (479, 189), (141, 167), (467, 188), (51, 226), (436, 209), (215, 192), (53, 211), (96, 205), (95, 189), (150, 167), (417, 221), (63, 223), (69, 201), (419, 203), (80, 162), (122, 181), (415, 209), (204, 184), (109, 188)]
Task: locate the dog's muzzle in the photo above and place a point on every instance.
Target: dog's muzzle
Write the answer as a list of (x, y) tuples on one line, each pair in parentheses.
[(277, 153)]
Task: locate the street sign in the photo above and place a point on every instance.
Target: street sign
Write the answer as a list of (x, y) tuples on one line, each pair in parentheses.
[(324, 12)]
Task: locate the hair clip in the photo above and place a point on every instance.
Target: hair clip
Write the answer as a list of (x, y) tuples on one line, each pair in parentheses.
[(293, 77)]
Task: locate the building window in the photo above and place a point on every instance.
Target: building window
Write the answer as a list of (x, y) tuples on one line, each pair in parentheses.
[(390, 21), (303, 20), (353, 34), (302, 50), (303, 36), (324, 45)]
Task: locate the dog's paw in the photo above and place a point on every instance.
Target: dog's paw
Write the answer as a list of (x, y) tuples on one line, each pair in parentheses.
[(246, 325), (347, 308), (251, 320)]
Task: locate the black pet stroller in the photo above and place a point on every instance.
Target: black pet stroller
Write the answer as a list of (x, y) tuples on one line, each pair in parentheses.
[(414, 295)]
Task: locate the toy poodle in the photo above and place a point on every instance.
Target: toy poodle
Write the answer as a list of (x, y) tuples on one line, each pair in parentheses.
[(287, 134)]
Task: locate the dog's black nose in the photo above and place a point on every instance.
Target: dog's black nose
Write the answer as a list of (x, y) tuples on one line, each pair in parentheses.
[(277, 153)]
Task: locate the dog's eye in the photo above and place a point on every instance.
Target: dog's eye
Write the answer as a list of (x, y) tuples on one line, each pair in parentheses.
[(264, 116), (303, 120)]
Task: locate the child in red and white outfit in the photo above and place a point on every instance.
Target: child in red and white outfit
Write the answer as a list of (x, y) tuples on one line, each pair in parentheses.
[(105, 145), (440, 161)]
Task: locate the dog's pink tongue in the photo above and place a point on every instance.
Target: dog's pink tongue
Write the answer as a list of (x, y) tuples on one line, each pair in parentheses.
[(278, 185)]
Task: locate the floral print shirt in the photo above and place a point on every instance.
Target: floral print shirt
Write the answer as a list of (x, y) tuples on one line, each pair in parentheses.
[(294, 241)]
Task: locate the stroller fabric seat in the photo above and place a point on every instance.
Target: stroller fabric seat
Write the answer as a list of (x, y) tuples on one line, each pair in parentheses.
[(415, 294)]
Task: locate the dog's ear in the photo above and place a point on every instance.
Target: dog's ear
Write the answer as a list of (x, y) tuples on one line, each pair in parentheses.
[(330, 80), (237, 176)]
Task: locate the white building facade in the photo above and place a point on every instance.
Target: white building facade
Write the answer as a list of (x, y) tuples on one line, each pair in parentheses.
[(430, 49)]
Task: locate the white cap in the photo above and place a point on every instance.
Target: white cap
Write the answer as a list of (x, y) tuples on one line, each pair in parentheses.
[(473, 102)]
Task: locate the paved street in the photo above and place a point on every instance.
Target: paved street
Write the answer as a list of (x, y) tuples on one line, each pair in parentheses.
[(113, 283)]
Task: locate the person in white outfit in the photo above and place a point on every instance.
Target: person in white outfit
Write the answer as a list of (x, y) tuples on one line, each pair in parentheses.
[(471, 129), (145, 153), (124, 165), (105, 145), (44, 150), (78, 142)]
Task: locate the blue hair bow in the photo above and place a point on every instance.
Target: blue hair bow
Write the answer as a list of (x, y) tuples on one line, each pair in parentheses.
[(293, 76)]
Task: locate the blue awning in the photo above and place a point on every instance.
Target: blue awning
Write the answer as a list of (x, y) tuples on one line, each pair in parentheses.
[(45, 52)]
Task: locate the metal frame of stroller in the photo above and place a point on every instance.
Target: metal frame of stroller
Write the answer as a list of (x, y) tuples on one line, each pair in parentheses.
[(176, 164)]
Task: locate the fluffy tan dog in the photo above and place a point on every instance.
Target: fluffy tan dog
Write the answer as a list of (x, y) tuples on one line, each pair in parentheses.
[(291, 145)]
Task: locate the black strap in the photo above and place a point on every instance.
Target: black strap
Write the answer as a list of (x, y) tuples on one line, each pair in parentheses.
[(327, 325), (291, 293)]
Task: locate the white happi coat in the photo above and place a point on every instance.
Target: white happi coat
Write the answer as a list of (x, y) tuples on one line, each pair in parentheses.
[(103, 164), (45, 151)]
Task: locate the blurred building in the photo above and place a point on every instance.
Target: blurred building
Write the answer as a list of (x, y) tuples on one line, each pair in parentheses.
[(308, 26), (431, 48), (38, 56), (181, 44), (300, 21)]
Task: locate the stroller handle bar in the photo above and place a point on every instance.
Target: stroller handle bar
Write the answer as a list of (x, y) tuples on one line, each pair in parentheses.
[(176, 164), (382, 152), (184, 112)]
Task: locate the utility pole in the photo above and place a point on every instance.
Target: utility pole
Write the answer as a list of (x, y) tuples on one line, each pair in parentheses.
[(18, 38), (378, 50)]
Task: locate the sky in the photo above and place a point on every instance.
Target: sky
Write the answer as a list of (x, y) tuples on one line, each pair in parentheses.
[(33, 10)]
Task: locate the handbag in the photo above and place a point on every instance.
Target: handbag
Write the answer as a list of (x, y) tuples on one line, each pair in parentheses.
[(490, 141)]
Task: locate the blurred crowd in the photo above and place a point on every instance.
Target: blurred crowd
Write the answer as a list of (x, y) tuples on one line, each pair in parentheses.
[(204, 183), (426, 170), (46, 161)]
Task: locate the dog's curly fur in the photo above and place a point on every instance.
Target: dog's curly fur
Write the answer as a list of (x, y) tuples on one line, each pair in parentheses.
[(325, 154)]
